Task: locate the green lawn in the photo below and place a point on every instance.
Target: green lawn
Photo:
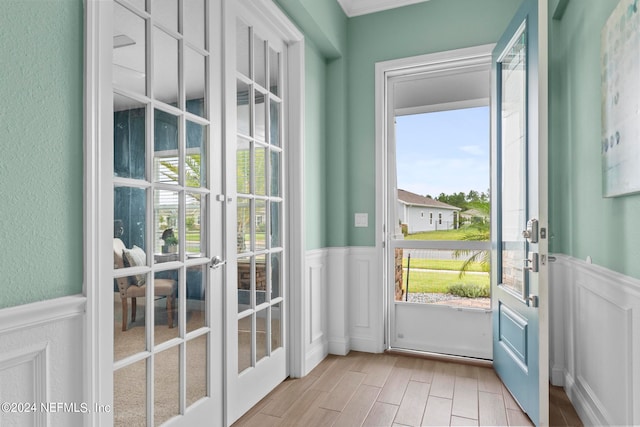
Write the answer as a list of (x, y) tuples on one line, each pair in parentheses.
[(441, 234), (441, 264), (431, 282)]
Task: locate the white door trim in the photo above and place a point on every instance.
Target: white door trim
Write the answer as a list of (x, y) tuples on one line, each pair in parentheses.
[(439, 62)]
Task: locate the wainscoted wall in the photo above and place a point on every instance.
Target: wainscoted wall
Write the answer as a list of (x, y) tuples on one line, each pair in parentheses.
[(344, 303), (595, 340), (41, 363)]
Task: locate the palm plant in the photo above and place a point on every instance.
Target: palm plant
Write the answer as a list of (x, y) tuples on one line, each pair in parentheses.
[(478, 230)]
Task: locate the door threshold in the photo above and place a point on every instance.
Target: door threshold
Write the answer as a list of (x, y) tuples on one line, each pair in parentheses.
[(484, 363)]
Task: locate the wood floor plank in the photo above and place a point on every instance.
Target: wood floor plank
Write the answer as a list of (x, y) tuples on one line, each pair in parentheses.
[(282, 401), (322, 367), (318, 417), (406, 362), (344, 391), (413, 404), (334, 373), (423, 371), (460, 421), (394, 388), (443, 382), (356, 411), (261, 420), (246, 418), (516, 417), (509, 401), (465, 398), (488, 381), (378, 370), (304, 404), (381, 414), (437, 411), (492, 409), (468, 371)]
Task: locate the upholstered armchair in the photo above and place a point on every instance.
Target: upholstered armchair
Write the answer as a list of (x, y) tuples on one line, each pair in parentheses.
[(135, 286)]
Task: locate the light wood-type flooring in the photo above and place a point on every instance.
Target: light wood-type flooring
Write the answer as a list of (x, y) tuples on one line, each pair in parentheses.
[(396, 390)]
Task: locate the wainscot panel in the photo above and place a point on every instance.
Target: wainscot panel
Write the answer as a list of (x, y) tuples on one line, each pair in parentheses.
[(595, 340), (41, 364), (316, 345)]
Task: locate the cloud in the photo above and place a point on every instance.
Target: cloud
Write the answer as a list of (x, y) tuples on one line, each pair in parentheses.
[(474, 150)]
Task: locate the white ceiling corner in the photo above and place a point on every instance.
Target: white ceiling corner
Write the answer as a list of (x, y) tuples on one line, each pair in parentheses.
[(362, 7)]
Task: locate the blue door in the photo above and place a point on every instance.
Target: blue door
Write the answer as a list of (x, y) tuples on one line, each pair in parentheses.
[(519, 209)]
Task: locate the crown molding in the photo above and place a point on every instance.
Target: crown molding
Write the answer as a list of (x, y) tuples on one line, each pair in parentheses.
[(362, 7)]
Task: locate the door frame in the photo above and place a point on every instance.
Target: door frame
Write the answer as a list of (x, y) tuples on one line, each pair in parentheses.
[(98, 203), (385, 73)]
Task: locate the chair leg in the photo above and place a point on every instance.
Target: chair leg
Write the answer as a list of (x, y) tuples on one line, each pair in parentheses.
[(134, 306), (125, 310), (170, 310)]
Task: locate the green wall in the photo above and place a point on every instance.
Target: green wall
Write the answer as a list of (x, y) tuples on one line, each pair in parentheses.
[(41, 46), (434, 26), (582, 222), (315, 148)]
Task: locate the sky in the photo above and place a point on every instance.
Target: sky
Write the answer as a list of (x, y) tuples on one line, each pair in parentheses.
[(443, 152)]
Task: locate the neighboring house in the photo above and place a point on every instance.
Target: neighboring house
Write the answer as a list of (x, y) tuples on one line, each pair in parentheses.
[(473, 215), (421, 213)]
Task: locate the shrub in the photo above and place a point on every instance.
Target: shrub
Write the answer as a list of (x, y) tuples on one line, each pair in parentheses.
[(469, 291)]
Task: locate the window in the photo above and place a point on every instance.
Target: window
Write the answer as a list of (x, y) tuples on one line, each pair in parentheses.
[(439, 218), (430, 218)]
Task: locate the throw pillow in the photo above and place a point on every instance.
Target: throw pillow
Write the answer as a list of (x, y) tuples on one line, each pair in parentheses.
[(136, 257)]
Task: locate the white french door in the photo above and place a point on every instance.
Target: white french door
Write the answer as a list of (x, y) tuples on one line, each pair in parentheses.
[(188, 207), (165, 302), (256, 223)]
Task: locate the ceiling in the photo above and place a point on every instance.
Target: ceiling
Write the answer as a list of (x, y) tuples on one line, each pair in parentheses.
[(362, 7)]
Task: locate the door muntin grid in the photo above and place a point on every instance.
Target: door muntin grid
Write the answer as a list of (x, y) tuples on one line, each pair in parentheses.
[(162, 134), (259, 153)]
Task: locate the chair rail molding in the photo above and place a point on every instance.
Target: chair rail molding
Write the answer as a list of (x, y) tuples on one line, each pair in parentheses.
[(595, 340)]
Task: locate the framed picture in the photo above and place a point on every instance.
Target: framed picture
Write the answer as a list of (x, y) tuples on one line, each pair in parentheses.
[(620, 141)]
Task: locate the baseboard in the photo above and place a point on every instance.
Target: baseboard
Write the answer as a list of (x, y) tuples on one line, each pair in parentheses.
[(580, 402), (557, 375), (339, 346)]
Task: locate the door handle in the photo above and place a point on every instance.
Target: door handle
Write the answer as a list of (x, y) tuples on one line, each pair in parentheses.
[(533, 300), (217, 262), (532, 263)]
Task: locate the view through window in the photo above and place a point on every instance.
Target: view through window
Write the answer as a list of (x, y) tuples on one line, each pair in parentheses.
[(443, 179)]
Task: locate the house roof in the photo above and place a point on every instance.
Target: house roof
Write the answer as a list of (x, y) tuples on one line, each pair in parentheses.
[(474, 213), (413, 199)]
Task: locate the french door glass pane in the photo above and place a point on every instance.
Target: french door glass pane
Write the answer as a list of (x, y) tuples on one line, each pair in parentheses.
[(166, 306), (129, 133), (514, 152), (276, 326), (133, 339), (166, 385), (260, 188), (259, 119), (262, 342), (274, 122), (130, 395), (196, 155), (194, 236), (276, 277), (260, 279), (195, 87), (244, 226), (244, 343), (165, 66), (260, 225), (244, 284), (165, 12), (275, 174), (129, 50), (196, 297), (243, 166), (243, 103), (194, 15), (275, 224), (196, 369), (129, 213), (165, 166), (259, 61), (166, 208), (242, 48), (274, 71)]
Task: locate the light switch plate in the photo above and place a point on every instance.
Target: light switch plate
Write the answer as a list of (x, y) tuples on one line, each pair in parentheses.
[(362, 220)]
